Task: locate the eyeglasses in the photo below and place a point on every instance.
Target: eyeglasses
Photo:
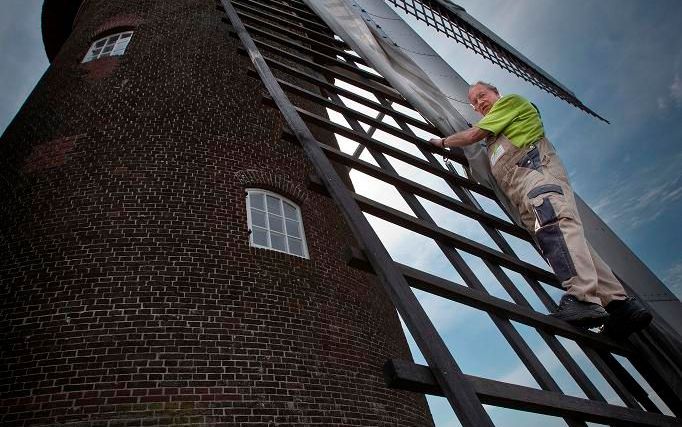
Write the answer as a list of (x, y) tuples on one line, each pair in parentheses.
[(477, 100)]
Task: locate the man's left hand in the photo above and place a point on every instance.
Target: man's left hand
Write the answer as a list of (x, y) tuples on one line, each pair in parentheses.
[(437, 142)]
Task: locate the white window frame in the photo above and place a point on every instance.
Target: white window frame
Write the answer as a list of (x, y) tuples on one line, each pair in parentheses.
[(111, 45), (281, 199)]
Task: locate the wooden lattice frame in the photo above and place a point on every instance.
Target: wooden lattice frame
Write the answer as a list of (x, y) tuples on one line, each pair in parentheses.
[(276, 34)]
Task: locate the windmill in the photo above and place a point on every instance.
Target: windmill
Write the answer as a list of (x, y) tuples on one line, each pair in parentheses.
[(185, 239)]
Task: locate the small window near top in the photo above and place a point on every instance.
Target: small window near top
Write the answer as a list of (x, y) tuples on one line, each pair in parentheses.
[(113, 45), (275, 223)]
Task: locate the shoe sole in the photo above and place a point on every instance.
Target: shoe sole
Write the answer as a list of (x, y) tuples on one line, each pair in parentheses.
[(582, 321)]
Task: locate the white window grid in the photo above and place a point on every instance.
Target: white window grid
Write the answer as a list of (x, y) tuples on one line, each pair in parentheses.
[(275, 223), (112, 45)]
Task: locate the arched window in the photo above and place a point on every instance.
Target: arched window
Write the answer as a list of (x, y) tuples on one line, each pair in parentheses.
[(112, 45), (275, 223)]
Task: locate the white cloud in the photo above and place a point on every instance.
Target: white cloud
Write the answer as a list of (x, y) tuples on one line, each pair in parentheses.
[(674, 95), (673, 279), (519, 375), (443, 312), (673, 98), (676, 89), (643, 198), (662, 102)]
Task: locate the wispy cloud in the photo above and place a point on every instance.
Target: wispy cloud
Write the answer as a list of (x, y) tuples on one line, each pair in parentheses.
[(674, 96), (673, 279), (642, 199), (519, 375), (676, 89), (444, 314)]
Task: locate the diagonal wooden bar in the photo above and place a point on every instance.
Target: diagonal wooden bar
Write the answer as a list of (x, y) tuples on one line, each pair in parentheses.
[(326, 59), (660, 363), (633, 386), (396, 115), (399, 133), (478, 299), (341, 74), (419, 226), (448, 375), (418, 378), (427, 193), (393, 152), (483, 301)]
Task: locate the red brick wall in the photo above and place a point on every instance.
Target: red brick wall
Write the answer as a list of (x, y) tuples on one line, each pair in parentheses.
[(128, 291)]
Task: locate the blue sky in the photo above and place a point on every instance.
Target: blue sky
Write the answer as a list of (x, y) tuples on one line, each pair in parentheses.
[(23, 56), (622, 58)]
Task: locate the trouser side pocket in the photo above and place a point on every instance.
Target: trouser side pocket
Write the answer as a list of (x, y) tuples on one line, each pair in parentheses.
[(546, 201)]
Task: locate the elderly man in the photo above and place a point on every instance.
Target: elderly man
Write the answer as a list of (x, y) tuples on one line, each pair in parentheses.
[(529, 172)]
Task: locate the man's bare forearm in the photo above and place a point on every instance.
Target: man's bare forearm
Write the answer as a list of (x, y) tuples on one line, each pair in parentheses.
[(466, 137)]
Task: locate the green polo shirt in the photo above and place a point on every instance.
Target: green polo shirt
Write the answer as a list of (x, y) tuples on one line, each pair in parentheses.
[(516, 118)]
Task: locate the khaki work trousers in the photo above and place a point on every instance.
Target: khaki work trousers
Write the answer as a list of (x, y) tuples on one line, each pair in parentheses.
[(535, 181)]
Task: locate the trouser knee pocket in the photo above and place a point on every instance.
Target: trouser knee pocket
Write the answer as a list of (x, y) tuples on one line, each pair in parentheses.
[(549, 206)]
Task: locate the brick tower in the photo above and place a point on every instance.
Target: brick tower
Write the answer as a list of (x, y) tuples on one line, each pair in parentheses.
[(130, 291)]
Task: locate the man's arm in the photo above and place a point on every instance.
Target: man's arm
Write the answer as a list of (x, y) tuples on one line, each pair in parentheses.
[(460, 139)]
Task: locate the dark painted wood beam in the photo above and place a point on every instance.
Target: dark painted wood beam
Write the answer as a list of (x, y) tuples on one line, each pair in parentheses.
[(418, 378)]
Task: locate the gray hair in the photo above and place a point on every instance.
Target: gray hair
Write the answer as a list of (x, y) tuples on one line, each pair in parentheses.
[(487, 85)]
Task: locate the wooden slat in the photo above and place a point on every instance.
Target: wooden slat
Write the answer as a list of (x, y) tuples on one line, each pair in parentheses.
[(409, 376), (397, 153), (289, 16), (483, 301), (247, 10), (397, 116), (411, 223), (350, 113), (348, 77), (330, 61), (332, 50), (426, 193)]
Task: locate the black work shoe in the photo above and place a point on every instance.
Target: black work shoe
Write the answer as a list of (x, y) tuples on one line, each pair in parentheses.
[(580, 313), (626, 317)]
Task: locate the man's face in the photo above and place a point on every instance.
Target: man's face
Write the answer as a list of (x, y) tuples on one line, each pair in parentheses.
[(482, 98)]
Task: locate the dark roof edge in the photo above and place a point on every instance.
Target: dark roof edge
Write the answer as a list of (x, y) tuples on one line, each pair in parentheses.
[(57, 22)]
